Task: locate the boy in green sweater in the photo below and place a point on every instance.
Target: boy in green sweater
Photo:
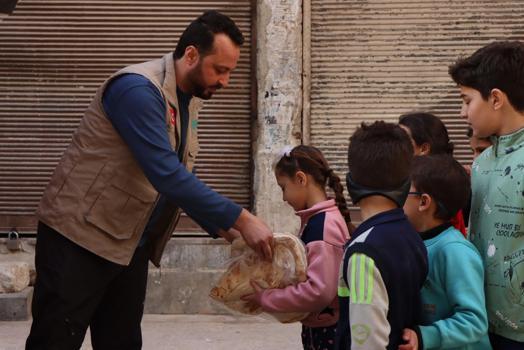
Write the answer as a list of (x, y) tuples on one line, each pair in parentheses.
[(453, 309), (491, 83)]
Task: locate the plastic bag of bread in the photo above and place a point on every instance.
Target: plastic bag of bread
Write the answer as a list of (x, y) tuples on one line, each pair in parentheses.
[(288, 267)]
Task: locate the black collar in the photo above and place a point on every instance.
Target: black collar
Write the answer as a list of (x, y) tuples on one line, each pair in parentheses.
[(397, 195), (435, 231)]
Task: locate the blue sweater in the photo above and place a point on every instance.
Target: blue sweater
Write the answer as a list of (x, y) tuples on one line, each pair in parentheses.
[(454, 312), (137, 110)]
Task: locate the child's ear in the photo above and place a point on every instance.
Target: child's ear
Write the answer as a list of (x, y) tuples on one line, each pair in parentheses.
[(497, 98), (425, 148), (301, 177), (425, 202)]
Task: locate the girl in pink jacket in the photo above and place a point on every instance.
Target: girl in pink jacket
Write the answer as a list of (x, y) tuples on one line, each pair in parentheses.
[(302, 173)]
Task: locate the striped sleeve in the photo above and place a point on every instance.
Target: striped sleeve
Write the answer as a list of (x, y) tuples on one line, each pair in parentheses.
[(369, 304)]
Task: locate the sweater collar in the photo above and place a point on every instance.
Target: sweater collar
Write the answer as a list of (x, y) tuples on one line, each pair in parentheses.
[(435, 231), (506, 144), (320, 207)]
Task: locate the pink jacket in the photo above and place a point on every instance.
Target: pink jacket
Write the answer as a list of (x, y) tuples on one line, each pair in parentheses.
[(324, 231)]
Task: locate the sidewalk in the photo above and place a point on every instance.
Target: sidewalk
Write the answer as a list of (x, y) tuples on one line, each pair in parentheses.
[(190, 332)]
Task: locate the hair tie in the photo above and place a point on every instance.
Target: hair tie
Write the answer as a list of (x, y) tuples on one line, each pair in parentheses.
[(286, 151)]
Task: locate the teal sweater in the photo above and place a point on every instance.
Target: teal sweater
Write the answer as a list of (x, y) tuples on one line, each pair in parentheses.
[(454, 315), (497, 230)]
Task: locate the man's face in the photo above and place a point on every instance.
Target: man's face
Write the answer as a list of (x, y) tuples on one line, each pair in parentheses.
[(479, 113), (213, 70)]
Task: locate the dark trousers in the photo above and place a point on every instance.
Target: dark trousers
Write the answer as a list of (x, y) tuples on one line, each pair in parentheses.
[(76, 289), (501, 343), (318, 338)]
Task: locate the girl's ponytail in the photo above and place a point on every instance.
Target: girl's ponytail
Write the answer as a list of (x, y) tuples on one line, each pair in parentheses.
[(336, 186)]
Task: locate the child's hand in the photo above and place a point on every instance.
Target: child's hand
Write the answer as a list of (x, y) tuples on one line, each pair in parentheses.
[(467, 167), (411, 339), (255, 299)]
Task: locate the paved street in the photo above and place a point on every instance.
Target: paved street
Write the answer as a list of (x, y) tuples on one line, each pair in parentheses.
[(190, 332)]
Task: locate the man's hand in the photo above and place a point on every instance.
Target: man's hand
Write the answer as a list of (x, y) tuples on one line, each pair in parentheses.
[(411, 339), (256, 234)]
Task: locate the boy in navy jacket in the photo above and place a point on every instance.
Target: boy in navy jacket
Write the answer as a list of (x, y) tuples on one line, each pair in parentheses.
[(385, 261)]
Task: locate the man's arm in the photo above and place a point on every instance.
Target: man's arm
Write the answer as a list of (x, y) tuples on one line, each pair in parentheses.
[(137, 111), (229, 235), (368, 305)]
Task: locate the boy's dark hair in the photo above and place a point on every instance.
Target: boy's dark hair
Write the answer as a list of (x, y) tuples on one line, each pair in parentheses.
[(445, 180), (428, 128), (311, 161), (499, 65), (201, 33), (380, 156)]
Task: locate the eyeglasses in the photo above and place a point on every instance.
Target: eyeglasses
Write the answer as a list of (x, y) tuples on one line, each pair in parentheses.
[(416, 193)]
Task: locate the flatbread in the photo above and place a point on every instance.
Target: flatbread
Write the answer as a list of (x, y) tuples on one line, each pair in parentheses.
[(288, 267)]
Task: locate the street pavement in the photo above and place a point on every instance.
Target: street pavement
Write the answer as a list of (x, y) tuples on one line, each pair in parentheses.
[(190, 332)]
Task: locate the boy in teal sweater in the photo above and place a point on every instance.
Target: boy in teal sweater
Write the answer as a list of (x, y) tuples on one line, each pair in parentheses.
[(491, 83), (454, 314)]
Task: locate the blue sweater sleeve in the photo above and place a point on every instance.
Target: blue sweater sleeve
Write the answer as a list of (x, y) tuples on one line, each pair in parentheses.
[(137, 111), (462, 274)]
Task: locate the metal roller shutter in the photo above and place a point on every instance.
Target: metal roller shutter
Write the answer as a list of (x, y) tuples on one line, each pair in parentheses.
[(53, 56), (376, 59)]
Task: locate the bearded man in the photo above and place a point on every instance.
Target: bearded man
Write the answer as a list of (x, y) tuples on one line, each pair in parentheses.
[(116, 195)]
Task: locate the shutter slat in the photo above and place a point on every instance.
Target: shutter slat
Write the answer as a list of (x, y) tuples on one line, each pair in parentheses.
[(375, 60), (54, 55)]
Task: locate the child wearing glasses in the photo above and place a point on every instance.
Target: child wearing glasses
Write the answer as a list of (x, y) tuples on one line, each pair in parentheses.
[(453, 313)]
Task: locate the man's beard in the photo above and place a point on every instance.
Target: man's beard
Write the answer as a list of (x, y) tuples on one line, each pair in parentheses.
[(198, 87)]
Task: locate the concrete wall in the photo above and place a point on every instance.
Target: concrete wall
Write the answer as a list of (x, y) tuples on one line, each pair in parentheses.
[(190, 266), (279, 79)]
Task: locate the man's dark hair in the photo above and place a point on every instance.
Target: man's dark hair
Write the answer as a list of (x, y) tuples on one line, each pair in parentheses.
[(380, 155), (445, 180), (499, 65), (428, 128), (201, 33)]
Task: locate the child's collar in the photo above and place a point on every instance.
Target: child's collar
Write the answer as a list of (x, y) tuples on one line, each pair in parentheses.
[(358, 191), (326, 205), (392, 215), (435, 231), (509, 143)]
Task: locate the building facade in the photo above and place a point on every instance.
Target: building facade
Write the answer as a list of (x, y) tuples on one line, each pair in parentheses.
[(310, 72)]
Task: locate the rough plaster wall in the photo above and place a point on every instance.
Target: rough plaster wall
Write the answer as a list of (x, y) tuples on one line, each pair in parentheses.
[(279, 69)]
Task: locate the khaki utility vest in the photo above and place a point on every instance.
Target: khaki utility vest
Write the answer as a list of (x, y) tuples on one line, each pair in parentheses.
[(98, 196)]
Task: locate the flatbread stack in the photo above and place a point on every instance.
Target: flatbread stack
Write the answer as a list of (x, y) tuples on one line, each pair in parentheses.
[(288, 267)]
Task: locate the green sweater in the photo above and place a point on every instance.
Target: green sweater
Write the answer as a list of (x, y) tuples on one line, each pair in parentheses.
[(497, 230)]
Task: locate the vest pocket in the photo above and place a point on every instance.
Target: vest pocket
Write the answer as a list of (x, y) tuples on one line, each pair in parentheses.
[(120, 209), (62, 171)]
